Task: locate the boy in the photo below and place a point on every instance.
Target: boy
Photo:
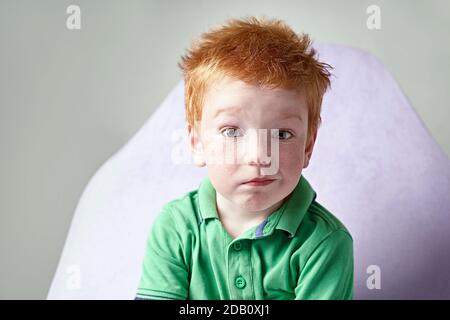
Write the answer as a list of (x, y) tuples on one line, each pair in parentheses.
[(253, 229)]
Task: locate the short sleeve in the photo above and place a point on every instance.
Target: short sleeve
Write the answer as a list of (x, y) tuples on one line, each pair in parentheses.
[(164, 273), (328, 272)]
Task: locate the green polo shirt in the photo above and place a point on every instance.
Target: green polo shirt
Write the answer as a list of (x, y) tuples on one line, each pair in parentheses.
[(300, 251)]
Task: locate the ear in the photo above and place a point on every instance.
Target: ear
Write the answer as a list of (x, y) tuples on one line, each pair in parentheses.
[(196, 146), (309, 149)]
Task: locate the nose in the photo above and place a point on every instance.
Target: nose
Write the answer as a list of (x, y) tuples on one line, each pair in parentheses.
[(258, 148)]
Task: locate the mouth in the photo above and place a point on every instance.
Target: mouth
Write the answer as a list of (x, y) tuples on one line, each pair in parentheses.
[(259, 182)]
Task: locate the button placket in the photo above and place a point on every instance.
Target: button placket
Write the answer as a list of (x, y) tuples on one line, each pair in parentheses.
[(237, 270)]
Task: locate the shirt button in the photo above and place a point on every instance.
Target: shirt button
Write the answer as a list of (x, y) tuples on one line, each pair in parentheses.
[(237, 246), (240, 282)]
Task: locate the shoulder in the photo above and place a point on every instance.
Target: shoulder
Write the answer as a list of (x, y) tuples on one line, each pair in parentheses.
[(175, 228), (321, 230), (181, 213), (324, 221)]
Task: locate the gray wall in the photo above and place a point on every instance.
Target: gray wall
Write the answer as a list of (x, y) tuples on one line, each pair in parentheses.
[(69, 99)]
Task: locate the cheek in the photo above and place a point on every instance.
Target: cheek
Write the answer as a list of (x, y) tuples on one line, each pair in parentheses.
[(218, 163), (213, 150), (291, 158), (220, 177), (218, 150), (221, 170)]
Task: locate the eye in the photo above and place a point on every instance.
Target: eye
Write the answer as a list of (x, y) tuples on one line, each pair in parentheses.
[(230, 132), (282, 135)]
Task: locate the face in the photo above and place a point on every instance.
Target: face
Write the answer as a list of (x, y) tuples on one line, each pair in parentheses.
[(249, 132)]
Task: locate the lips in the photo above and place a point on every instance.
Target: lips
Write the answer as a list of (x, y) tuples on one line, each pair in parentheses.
[(259, 182)]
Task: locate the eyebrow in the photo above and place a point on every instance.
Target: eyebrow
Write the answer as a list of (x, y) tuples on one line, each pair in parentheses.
[(291, 115), (236, 109)]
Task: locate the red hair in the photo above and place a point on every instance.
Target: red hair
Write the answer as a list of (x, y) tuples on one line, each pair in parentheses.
[(255, 50)]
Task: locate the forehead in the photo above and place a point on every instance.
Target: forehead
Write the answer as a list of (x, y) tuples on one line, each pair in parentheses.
[(233, 96)]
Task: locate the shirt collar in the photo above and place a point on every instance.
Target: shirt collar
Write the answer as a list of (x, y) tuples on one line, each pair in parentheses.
[(294, 209), (207, 200), (288, 217)]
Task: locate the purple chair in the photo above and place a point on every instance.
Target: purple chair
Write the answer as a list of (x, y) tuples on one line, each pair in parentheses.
[(374, 166)]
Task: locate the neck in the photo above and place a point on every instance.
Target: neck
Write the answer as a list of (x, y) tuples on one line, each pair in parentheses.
[(233, 215)]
